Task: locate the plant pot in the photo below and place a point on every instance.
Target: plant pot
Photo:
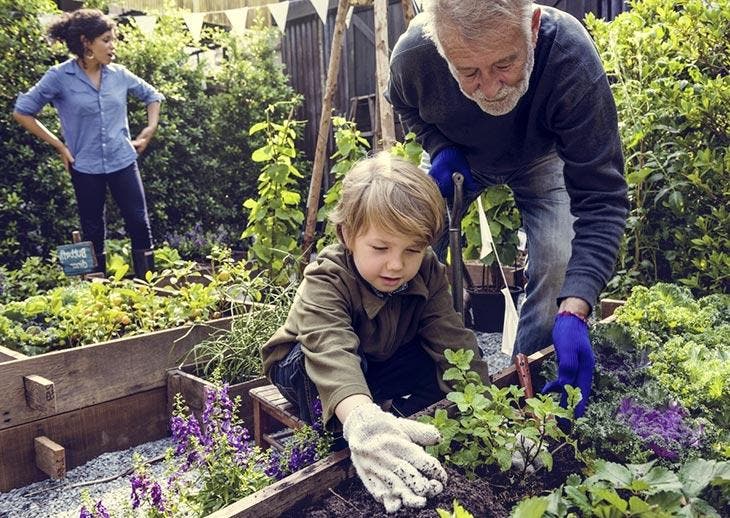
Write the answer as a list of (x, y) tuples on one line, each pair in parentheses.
[(486, 304), (482, 276)]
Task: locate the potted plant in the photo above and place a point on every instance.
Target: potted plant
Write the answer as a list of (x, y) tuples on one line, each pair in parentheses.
[(485, 302)]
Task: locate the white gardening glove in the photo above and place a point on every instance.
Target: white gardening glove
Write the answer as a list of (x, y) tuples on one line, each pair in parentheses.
[(386, 454), (525, 444)]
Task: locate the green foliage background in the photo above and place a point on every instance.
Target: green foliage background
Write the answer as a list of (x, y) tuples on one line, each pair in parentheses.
[(669, 63), (198, 168)]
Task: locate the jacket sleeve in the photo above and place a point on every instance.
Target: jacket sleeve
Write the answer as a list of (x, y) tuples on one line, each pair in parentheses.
[(323, 315), (441, 327)]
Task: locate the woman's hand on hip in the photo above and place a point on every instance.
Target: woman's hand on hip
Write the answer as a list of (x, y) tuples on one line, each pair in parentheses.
[(66, 156), (143, 139)]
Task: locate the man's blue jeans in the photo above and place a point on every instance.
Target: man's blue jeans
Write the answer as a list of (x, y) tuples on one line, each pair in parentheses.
[(544, 205)]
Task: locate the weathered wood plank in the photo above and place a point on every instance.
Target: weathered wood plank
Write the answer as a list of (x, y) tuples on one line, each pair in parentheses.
[(85, 434), (92, 374), (609, 306), (311, 483), (192, 389), (9, 355)]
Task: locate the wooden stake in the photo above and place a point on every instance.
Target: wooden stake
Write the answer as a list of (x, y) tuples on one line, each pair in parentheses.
[(50, 457), (315, 184), (408, 12), (382, 62), (39, 393)]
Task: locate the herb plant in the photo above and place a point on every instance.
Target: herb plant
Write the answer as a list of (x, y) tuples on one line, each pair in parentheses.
[(491, 427)]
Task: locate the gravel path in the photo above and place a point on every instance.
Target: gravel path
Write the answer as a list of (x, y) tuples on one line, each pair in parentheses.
[(55, 498)]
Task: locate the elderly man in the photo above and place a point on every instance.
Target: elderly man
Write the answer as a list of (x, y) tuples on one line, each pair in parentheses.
[(504, 91)]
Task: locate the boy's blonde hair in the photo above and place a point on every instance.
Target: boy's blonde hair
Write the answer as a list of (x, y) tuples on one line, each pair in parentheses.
[(392, 194)]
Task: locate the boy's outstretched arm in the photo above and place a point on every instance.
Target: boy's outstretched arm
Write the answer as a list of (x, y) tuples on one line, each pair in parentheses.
[(387, 454)]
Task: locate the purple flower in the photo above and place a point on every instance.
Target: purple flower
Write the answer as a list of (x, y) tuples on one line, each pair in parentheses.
[(101, 511), (140, 484), (662, 430), (85, 513), (156, 495)]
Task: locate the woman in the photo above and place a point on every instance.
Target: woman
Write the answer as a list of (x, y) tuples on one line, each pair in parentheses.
[(90, 94)]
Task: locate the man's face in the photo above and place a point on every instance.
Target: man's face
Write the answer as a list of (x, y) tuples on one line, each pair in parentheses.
[(495, 70)]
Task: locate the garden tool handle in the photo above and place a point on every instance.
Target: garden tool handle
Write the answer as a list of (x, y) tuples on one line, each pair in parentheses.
[(522, 366), (457, 278)]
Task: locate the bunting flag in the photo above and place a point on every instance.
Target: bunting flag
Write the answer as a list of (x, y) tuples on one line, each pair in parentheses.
[(279, 12), (237, 17), (321, 7), (194, 21), (146, 24), (115, 10), (348, 16)]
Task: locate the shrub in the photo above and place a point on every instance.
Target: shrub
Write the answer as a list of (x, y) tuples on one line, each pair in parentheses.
[(37, 204), (669, 64)]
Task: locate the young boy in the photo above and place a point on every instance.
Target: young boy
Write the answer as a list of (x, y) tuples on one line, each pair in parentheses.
[(370, 322)]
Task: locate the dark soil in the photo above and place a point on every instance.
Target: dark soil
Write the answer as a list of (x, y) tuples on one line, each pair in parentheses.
[(492, 495)]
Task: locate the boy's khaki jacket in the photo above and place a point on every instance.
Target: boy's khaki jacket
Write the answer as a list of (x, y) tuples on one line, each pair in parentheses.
[(335, 312)]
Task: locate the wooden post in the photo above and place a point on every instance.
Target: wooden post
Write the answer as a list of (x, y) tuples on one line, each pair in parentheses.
[(382, 62), (76, 236), (315, 184), (50, 457), (408, 12)]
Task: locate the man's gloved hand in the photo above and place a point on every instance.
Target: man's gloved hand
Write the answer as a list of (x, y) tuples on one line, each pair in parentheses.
[(575, 359), (448, 161), (386, 454)]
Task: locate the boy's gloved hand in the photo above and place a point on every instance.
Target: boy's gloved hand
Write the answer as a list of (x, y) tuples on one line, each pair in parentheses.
[(386, 454), (448, 161), (575, 359)]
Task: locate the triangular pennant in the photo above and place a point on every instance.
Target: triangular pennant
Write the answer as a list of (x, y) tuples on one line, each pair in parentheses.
[(348, 16), (509, 329), (146, 24), (321, 7), (484, 231), (194, 21), (115, 10), (279, 12), (237, 17)]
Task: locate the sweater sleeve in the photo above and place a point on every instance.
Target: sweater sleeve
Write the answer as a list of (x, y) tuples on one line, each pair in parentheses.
[(588, 142), (403, 94)]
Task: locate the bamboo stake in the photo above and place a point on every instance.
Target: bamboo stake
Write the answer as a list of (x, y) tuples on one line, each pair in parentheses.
[(382, 48), (408, 12), (315, 184)]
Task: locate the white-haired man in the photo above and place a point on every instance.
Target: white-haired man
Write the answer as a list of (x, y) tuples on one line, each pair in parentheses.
[(504, 91)]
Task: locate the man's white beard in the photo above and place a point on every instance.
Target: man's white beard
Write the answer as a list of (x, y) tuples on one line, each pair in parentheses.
[(508, 96)]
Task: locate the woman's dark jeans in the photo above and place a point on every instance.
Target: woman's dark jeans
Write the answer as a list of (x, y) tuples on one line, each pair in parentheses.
[(409, 372), (127, 191)]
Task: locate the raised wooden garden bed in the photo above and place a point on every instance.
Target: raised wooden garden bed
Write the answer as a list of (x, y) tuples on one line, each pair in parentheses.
[(184, 381), (87, 400)]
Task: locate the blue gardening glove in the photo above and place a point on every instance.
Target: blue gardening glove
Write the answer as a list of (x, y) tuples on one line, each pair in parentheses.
[(575, 359), (447, 162)]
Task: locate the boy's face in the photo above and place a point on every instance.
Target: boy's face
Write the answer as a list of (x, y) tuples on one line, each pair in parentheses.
[(385, 260)]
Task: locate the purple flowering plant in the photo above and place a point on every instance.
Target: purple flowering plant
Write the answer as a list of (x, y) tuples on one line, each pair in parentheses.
[(308, 445), (664, 430)]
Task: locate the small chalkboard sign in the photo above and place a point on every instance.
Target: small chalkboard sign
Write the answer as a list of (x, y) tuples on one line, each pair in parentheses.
[(78, 258)]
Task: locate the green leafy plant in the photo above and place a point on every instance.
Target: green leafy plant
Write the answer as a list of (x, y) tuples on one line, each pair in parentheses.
[(632, 490), (234, 354), (275, 217), (490, 426), (458, 512), (35, 276), (351, 147), (668, 65), (409, 149)]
